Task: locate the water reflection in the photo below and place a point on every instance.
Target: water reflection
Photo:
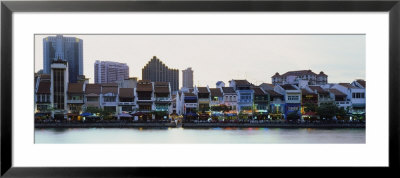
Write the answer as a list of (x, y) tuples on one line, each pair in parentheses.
[(221, 135)]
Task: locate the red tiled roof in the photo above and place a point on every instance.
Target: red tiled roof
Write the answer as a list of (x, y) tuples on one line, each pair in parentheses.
[(75, 88), (361, 82), (304, 91), (44, 87), (109, 84), (273, 93), (109, 89), (258, 91), (45, 76), (126, 93), (347, 85), (299, 73), (336, 92), (144, 87), (93, 88), (321, 74), (189, 94), (242, 82), (161, 87), (216, 92), (228, 90), (288, 87), (319, 89), (202, 89)]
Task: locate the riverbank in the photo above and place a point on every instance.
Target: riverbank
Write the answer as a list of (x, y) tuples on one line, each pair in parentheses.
[(199, 125)]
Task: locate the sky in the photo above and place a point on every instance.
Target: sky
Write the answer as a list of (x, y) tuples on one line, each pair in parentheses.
[(225, 57)]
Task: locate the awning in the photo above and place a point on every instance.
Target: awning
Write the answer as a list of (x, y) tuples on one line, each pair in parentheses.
[(86, 114), (124, 115)]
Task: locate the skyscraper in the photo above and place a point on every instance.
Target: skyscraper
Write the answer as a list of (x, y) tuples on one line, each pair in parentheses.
[(110, 72), (156, 71), (68, 49), (187, 78)]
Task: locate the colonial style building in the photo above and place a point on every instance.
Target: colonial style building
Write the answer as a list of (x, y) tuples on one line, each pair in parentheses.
[(230, 100), (245, 96), (292, 99), (162, 96), (261, 103), (92, 96), (126, 97), (76, 95), (300, 76), (109, 97)]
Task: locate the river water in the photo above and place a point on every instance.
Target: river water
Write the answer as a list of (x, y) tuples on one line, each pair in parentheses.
[(199, 136)]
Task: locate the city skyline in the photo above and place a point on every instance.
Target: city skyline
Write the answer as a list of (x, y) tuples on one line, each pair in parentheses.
[(224, 57)]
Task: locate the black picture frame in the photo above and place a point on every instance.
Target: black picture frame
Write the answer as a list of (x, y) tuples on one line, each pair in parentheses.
[(8, 7)]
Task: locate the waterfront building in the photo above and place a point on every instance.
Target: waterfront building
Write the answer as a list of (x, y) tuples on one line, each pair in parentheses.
[(299, 77), (340, 98), (309, 100), (110, 72), (292, 95), (92, 96), (126, 102), (277, 104), (58, 89), (75, 98), (42, 95), (217, 105), (230, 100), (204, 99), (187, 78), (162, 96), (145, 99), (244, 97), (189, 104), (261, 103), (156, 71), (175, 104), (359, 83), (109, 97), (69, 49), (324, 96), (356, 95)]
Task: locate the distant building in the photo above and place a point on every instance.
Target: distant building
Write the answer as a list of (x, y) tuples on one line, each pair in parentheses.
[(187, 78), (110, 72), (300, 77), (156, 71), (69, 49)]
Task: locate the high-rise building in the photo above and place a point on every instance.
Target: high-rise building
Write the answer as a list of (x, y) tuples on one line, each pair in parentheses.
[(69, 49), (156, 71), (187, 78), (110, 72), (58, 88)]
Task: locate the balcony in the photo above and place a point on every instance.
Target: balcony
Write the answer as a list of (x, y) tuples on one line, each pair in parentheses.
[(126, 103), (75, 101), (145, 99), (163, 99), (191, 105)]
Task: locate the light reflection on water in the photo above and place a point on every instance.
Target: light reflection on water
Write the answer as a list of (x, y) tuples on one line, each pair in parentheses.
[(229, 135)]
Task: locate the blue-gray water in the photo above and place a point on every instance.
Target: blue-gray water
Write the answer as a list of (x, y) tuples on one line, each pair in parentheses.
[(198, 136)]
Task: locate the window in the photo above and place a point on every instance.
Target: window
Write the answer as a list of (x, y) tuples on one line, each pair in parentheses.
[(293, 98), (109, 99), (92, 99)]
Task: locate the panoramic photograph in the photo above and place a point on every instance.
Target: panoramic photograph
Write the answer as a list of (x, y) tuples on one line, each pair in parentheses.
[(199, 89)]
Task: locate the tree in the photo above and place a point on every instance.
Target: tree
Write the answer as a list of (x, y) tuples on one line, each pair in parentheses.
[(309, 107)]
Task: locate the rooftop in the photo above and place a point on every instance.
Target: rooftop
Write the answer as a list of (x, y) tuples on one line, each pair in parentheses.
[(93, 88), (216, 92), (202, 89), (228, 90), (288, 87), (44, 87), (258, 91), (319, 89), (75, 88), (336, 92), (126, 93), (241, 82), (273, 93)]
